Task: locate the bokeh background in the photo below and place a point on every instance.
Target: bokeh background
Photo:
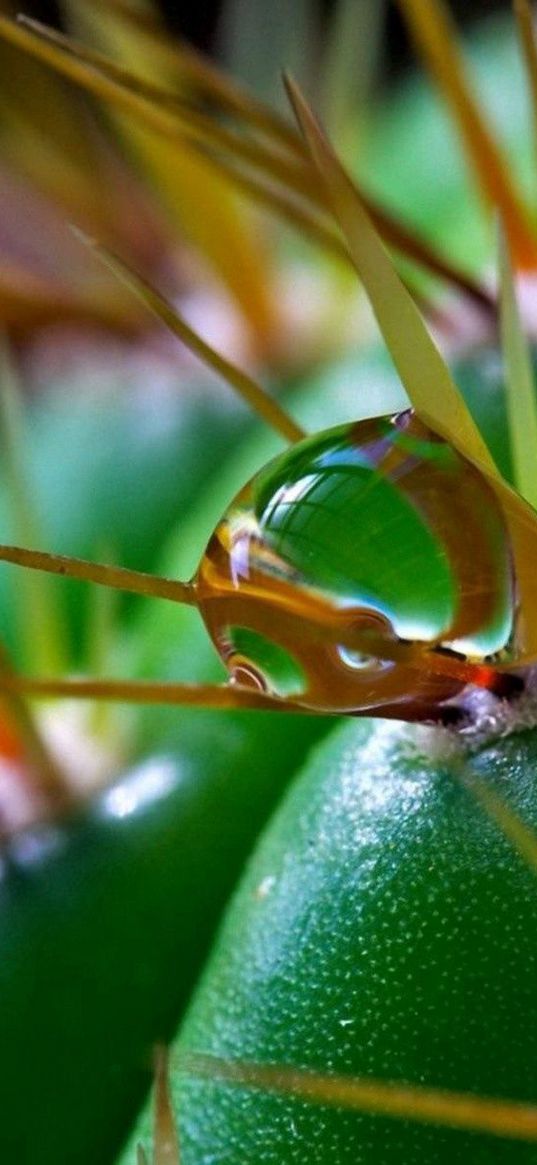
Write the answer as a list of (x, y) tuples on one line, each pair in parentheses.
[(201, 23)]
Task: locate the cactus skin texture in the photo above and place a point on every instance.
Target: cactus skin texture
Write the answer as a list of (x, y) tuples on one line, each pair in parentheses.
[(386, 928)]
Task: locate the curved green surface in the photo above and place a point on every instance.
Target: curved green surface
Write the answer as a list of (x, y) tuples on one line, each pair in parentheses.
[(386, 927), (104, 925)]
